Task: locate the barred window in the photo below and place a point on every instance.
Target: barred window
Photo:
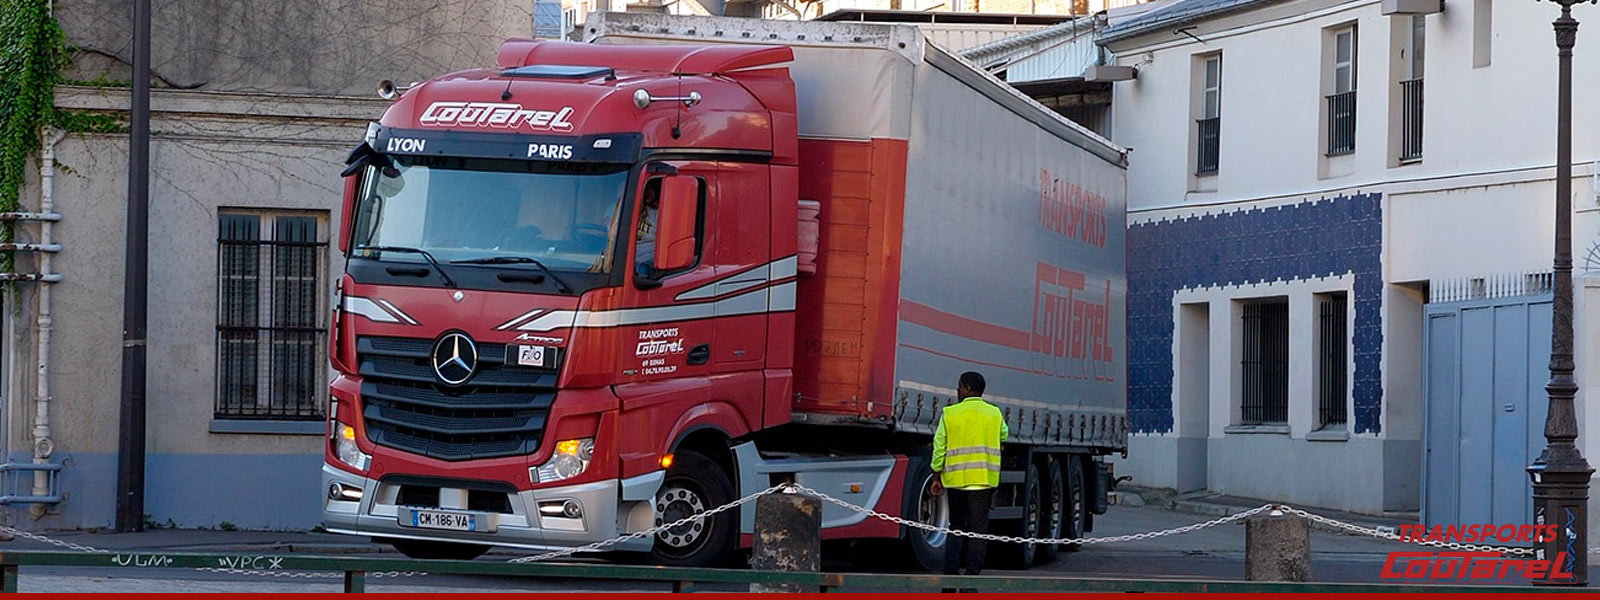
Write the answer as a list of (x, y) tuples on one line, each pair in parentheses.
[(270, 360), (1264, 398), (1333, 339)]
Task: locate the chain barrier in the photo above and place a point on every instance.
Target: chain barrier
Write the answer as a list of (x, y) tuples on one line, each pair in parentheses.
[(1022, 540), (1276, 509), (1390, 535)]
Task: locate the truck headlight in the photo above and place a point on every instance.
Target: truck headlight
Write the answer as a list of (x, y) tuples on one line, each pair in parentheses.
[(345, 448), (571, 458)]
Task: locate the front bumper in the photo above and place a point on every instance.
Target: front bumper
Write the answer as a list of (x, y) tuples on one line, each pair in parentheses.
[(610, 508)]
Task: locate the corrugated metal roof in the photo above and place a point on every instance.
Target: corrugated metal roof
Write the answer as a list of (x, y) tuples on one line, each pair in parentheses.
[(1178, 14), (927, 16), (1061, 30), (959, 37)]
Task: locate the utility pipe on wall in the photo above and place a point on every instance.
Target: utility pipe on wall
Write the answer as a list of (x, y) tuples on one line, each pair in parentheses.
[(42, 445)]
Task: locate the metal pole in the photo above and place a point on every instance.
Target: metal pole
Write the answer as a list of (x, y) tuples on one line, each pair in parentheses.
[(130, 442), (1560, 474)]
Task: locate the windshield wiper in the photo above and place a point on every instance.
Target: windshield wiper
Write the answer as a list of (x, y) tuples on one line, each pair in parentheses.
[(443, 277), (516, 260)]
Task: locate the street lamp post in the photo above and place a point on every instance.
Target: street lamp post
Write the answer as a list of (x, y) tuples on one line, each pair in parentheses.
[(1560, 474)]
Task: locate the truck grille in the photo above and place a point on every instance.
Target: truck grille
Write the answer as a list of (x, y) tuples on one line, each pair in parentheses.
[(501, 411)]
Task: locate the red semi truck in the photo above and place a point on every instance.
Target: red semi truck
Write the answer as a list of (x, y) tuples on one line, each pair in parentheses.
[(607, 285)]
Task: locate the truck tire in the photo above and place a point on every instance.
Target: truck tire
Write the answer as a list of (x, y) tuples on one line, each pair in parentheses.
[(695, 484), (918, 504), (1077, 505), (435, 550), (1054, 507), (1021, 556)]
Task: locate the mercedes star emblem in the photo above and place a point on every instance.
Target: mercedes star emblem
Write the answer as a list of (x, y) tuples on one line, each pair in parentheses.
[(455, 358)]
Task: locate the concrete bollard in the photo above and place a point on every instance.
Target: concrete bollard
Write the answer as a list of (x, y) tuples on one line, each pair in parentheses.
[(788, 537), (1277, 547)]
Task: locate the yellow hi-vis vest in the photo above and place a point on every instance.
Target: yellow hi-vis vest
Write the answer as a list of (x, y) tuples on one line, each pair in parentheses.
[(966, 445)]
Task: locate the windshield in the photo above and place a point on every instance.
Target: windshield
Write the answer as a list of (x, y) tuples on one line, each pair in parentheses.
[(564, 215)]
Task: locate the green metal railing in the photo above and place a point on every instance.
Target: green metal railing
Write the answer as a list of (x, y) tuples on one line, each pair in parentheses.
[(357, 570)]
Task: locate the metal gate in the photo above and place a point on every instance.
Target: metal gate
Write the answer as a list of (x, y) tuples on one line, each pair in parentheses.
[(1485, 361)]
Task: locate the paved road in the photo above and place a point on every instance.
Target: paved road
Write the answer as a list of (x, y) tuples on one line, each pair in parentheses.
[(1214, 553)]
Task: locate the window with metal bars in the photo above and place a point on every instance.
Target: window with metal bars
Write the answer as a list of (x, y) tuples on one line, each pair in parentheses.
[(1413, 51), (1333, 341), (270, 270), (1209, 124), (1264, 397), (1342, 102)]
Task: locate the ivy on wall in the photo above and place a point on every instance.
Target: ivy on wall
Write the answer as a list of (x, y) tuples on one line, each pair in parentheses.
[(32, 54)]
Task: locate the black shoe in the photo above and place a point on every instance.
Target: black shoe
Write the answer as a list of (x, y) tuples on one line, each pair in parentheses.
[(948, 590)]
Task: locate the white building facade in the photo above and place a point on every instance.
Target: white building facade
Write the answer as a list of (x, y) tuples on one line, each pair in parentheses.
[(1339, 290)]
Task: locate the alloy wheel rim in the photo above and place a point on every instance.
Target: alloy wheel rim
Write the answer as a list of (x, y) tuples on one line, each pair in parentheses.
[(674, 503)]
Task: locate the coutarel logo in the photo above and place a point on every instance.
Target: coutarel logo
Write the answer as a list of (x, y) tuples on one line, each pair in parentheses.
[(1475, 564), (1071, 335), (497, 115)]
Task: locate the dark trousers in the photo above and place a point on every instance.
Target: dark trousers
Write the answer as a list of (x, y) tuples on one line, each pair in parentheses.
[(969, 511)]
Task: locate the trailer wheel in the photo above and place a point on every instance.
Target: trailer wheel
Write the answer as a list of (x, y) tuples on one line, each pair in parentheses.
[(434, 550), (1077, 521), (1021, 556), (695, 484), (920, 505), (1055, 505)]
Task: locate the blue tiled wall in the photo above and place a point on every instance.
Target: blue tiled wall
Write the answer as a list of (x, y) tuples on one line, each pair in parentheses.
[(1298, 241)]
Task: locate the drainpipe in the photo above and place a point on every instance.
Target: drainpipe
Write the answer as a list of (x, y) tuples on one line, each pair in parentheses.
[(42, 445)]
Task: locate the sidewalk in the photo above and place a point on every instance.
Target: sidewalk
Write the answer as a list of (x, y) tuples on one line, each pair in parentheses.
[(1210, 504)]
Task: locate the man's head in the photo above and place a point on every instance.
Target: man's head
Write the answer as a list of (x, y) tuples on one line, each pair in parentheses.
[(971, 384)]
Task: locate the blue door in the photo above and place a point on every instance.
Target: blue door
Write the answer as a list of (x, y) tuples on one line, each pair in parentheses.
[(1484, 368)]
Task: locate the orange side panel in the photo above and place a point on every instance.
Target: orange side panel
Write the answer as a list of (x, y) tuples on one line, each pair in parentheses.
[(844, 342)]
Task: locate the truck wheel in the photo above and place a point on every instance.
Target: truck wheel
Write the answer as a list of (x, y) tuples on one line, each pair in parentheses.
[(432, 550), (1054, 509), (695, 484), (1077, 513), (1021, 556), (920, 505)]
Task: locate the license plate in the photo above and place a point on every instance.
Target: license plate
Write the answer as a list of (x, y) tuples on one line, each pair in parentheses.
[(530, 356), (431, 519)]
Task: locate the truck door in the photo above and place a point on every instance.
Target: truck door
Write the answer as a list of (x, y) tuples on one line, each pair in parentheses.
[(668, 332)]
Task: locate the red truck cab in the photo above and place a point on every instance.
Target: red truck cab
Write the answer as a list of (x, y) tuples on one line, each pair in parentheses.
[(565, 275)]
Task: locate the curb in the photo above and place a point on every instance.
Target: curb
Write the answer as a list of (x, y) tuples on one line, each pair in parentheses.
[(261, 547)]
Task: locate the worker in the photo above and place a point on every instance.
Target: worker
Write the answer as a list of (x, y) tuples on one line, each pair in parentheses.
[(966, 456)]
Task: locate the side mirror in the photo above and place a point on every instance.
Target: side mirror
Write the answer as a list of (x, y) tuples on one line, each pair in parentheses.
[(347, 216), (676, 238)]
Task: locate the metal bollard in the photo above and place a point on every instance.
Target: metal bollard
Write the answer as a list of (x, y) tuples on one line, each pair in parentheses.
[(788, 537), (1277, 547)]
